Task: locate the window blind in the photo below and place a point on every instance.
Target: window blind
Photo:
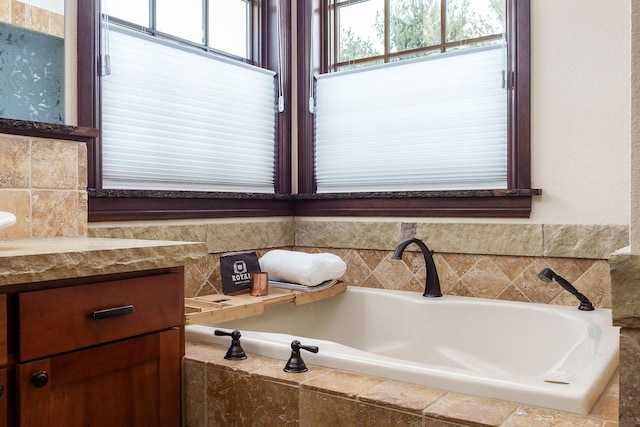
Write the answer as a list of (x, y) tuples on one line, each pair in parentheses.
[(437, 123), (175, 118)]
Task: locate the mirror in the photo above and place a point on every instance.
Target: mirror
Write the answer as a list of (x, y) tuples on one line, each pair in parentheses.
[(32, 60)]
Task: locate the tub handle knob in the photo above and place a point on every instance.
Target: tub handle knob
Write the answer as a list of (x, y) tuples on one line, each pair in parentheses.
[(235, 351), (295, 364)]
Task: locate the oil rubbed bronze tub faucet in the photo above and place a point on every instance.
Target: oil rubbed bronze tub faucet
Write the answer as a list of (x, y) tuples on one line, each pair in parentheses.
[(432, 284), (547, 275)]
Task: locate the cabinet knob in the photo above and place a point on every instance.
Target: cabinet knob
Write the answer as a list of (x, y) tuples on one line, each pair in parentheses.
[(1, 389), (40, 378)]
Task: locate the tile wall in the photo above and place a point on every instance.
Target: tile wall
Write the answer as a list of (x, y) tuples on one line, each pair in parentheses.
[(485, 276), (481, 267), (43, 182), (256, 391), (31, 17), (625, 276)]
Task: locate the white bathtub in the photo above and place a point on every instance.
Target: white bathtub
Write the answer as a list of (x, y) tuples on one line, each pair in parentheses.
[(543, 355)]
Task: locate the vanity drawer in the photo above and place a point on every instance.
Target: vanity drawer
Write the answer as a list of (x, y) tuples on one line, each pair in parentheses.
[(54, 321)]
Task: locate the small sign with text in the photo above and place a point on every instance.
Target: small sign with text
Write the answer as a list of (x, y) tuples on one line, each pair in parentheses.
[(236, 269)]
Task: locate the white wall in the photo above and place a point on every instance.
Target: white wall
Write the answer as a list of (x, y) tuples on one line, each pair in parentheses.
[(634, 217), (56, 6), (580, 111), (71, 62)]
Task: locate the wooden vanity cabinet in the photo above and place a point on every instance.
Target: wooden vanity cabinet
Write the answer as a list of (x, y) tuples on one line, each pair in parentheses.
[(100, 353), (4, 361)]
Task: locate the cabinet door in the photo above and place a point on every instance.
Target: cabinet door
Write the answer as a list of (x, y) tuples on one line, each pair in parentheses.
[(4, 409), (3, 330), (134, 382), (4, 388)]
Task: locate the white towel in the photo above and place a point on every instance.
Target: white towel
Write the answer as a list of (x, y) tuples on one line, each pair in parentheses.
[(301, 267)]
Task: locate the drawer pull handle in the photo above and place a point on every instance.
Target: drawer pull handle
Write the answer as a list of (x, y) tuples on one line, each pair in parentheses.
[(112, 312)]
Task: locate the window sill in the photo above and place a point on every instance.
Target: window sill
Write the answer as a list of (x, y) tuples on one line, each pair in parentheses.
[(457, 194), (129, 205), (47, 130), (469, 203), (121, 205)]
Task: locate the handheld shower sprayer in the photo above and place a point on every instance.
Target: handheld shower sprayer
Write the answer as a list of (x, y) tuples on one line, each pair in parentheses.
[(547, 275)]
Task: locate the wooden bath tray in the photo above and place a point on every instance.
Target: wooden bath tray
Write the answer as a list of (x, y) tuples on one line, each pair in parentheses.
[(221, 308)]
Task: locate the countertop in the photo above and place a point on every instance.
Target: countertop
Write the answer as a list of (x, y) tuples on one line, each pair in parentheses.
[(38, 260)]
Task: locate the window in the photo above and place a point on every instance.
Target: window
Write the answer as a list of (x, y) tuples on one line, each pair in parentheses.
[(368, 32), (316, 53), (169, 111), (186, 104), (224, 25), (441, 102), (347, 134)]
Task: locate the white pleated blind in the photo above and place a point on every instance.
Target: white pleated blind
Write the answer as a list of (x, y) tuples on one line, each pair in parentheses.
[(438, 123), (177, 119)]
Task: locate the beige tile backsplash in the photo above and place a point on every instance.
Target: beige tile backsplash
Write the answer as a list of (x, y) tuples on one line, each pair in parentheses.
[(43, 182), (485, 276), (488, 273)]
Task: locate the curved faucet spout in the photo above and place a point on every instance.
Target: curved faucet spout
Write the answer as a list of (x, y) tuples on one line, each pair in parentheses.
[(432, 284)]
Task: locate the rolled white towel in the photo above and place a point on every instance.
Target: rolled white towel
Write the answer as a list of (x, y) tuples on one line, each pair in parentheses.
[(301, 267)]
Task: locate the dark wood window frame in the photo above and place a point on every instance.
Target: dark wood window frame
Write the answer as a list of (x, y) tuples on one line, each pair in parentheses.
[(114, 205), (106, 205), (515, 201)]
